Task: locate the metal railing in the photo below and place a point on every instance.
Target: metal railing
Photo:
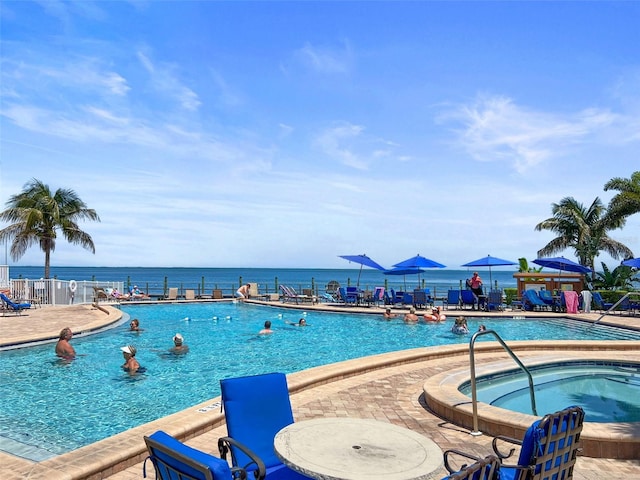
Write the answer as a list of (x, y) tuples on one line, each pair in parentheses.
[(615, 305), (57, 292), (472, 366)]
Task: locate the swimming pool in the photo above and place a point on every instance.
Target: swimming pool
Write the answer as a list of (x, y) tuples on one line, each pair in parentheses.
[(57, 406), (607, 391)]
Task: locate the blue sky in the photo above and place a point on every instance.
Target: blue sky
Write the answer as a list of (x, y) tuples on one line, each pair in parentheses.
[(284, 134)]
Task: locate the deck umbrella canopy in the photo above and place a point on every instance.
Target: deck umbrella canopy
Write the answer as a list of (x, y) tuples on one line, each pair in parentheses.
[(363, 260), (404, 272), (562, 264), (632, 262), (418, 262), (489, 261)]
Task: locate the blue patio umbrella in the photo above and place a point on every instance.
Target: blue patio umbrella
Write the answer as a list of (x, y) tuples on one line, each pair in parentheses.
[(363, 260), (489, 261), (562, 264), (404, 272), (632, 262), (419, 262)]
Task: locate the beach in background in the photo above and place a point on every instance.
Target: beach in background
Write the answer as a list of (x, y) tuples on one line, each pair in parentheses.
[(155, 280)]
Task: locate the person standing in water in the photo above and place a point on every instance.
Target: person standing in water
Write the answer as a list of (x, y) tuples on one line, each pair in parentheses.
[(63, 347)]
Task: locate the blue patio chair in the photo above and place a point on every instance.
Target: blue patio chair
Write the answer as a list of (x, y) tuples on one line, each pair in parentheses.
[(487, 468), (419, 298), (547, 297), (256, 408), (173, 460), (387, 298), (378, 297), (347, 297), (13, 306), (427, 292), (453, 299), (532, 301), (494, 300), (407, 298), (599, 303), (467, 297), (396, 297), (548, 450)]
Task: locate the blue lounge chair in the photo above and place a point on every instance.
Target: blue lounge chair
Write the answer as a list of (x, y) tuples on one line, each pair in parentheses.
[(487, 468), (396, 297), (453, 299), (15, 307), (548, 450), (256, 408), (467, 297), (348, 298), (599, 303), (532, 301), (173, 460), (553, 303)]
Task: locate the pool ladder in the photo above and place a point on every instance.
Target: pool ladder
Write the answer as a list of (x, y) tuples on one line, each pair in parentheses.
[(615, 305), (472, 365)]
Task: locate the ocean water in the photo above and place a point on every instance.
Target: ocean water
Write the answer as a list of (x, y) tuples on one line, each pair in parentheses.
[(154, 280)]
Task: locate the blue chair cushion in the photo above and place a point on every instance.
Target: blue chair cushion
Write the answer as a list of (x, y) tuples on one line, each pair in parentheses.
[(256, 408), (218, 467)]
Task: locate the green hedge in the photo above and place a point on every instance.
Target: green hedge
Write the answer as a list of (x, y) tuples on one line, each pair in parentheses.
[(511, 294)]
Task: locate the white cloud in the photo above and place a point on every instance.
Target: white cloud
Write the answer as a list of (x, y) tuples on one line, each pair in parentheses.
[(497, 129), (332, 141), (325, 59), (165, 80)]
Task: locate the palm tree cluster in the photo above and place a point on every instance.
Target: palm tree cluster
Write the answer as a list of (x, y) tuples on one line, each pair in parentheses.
[(35, 215), (586, 229)]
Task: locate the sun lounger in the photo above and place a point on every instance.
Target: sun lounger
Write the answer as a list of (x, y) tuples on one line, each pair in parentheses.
[(13, 306)]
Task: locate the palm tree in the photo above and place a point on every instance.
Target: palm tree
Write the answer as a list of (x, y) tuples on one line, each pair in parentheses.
[(584, 230), (523, 266), (627, 201), (35, 216)]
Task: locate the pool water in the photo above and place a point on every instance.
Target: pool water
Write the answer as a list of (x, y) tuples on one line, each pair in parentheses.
[(59, 406), (607, 391)]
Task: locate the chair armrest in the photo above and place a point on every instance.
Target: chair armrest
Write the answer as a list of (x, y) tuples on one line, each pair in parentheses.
[(460, 453), (496, 450), (224, 447)]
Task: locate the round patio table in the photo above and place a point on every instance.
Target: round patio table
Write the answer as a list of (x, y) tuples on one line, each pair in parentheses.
[(357, 449)]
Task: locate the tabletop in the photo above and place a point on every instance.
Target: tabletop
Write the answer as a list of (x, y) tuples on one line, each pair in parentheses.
[(353, 448)]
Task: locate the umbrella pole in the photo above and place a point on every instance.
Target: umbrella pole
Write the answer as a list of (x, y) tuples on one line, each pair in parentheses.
[(359, 272)]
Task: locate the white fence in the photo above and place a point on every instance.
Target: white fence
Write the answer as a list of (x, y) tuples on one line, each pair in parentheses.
[(57, 292)]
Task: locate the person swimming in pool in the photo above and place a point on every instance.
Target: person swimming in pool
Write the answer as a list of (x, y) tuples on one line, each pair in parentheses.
[(134, 325), (411, 317), (130, 365), (179, 347), (460, 326), (387, 315), (63, 347), (301, 323), (267, 328)]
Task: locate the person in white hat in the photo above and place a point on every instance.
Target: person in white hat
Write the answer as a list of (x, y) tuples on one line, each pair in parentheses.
[(131, 365), (179, 347)]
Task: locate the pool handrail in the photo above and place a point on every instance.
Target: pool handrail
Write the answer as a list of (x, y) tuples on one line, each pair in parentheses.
[(613, 307), (472, 366)]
